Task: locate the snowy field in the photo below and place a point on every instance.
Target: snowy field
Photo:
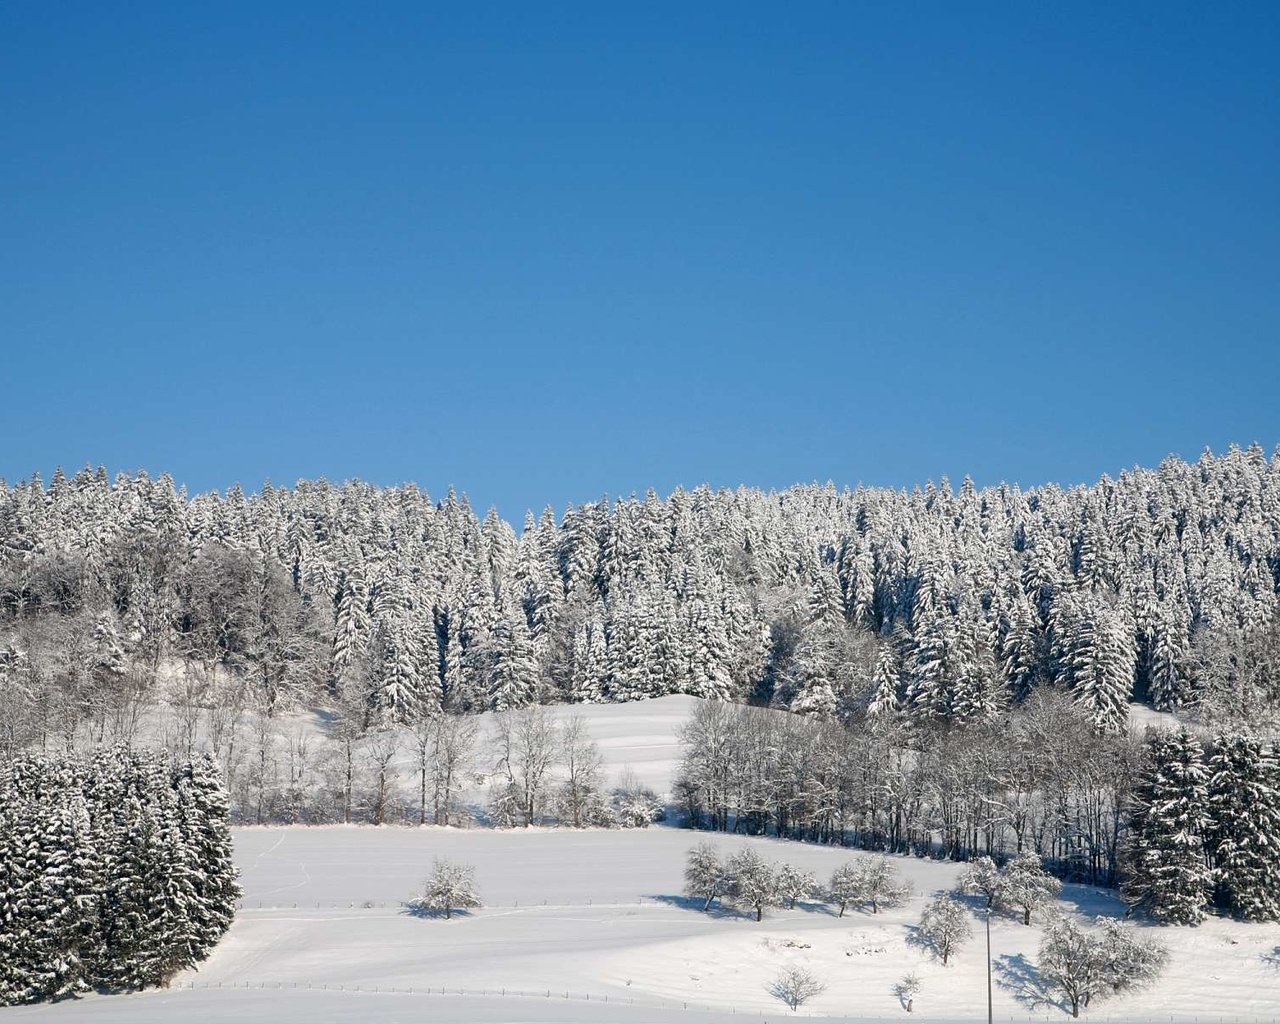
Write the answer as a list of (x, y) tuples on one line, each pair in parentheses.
[(583, 926)]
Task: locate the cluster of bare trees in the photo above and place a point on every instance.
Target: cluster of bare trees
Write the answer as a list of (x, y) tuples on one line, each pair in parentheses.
[(1043, 780), (517, 768), (748, 880)]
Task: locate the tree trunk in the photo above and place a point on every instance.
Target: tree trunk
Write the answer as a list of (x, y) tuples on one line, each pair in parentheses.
[(759, 911), (1026, 915), (422, 798)]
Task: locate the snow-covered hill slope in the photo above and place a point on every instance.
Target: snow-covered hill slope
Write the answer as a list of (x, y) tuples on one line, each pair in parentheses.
[(583, 926)]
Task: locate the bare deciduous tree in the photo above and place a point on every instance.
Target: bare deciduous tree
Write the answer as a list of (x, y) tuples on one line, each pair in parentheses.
[(795, 986)]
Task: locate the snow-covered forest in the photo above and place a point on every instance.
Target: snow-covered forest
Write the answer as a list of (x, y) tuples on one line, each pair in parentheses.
[(116, 871), (942, 605)]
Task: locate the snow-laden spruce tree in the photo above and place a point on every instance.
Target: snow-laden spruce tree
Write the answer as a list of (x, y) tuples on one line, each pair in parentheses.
[(513, 677), (944, 926), (450, 886), (1099, 661), (1170, 685), (1244, 826), (205, 823), (885, 707), (49, 876), (1167, 873)]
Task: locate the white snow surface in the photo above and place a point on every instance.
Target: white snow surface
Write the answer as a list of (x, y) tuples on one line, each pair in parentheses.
[(583, 926)]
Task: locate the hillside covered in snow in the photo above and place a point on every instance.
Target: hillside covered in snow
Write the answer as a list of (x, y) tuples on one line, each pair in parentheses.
[(592, 925)]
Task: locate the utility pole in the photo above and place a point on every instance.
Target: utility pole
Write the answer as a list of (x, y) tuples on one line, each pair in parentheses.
[(989, 1017)]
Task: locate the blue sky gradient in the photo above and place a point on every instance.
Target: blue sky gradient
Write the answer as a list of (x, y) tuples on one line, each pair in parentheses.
[(547, 253)]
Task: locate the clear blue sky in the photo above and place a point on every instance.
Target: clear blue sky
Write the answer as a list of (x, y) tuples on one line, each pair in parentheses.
[(548, 253)]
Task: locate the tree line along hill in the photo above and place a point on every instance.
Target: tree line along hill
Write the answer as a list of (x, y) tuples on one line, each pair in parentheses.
[(939, 605)]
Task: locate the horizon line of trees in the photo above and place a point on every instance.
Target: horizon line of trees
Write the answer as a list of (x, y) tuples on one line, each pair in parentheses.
[(940, 604)]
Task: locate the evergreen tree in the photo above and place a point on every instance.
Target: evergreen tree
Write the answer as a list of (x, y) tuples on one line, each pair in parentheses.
[(1244, 826), (1099, 660), (1167, 872), (513, 679)]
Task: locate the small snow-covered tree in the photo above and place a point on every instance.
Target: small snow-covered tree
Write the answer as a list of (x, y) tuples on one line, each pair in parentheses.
[(1068, 961), (794, 884), (846, 886), (795, 986), (635, 805), (754, 882), (1027, 885), (706, 876), (1089, 964), (1126, 959), (983, 878), (449, 887), (580, 800), (906, 990), (944, 926), (883, 886)]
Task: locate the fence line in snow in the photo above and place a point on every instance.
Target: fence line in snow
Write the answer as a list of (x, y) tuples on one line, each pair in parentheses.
[(658, 1002), (655, 901)]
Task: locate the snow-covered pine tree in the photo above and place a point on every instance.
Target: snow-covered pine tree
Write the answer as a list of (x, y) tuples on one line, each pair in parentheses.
[(396, 687), (513, 677), (351, 624), (809, 684), (933, 635), (205, 821), (885, 707), (1244, 826), (1167, 874), (1169, 682), (49, 876), (1099, 661)]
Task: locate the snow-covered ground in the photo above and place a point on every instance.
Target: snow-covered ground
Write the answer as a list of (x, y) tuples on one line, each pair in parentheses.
[(583, 926)]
